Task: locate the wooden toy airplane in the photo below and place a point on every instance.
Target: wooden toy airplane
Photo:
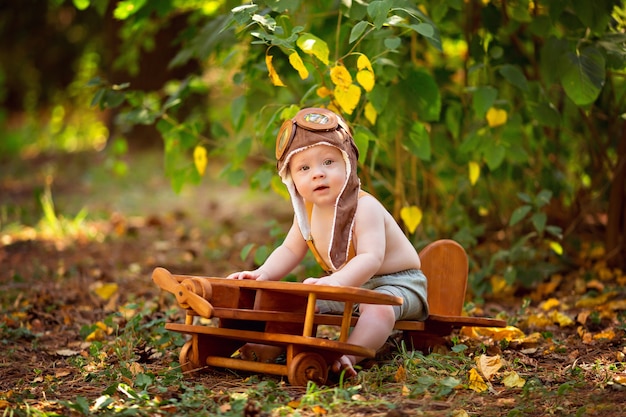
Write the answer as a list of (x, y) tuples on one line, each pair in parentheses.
[(282, 315)]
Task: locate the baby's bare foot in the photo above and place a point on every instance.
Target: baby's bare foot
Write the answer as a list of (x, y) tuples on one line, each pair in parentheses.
[(344, 363)]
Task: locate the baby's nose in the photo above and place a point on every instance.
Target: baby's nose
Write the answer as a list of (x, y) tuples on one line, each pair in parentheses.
[(318, 172)]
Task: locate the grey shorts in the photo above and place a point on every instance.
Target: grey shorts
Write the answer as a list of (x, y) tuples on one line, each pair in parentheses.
[(410, 285)]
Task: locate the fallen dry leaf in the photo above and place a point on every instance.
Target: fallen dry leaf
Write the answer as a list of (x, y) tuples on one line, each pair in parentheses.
[(513, 380), (489, 365), (476, 382)]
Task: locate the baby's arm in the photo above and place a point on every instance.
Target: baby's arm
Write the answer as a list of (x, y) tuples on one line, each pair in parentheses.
[(369, 235), (281, 261)]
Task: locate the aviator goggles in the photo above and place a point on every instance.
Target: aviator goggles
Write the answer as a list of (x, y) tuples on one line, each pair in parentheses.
[(314, 120)]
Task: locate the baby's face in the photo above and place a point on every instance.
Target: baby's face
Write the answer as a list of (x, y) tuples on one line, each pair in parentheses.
[(319, 174)]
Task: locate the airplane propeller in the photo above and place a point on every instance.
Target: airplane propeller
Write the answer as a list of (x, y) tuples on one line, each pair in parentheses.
[(193, 292)]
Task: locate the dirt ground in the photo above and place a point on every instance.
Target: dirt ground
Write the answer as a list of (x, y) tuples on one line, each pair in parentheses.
[(51, 273)]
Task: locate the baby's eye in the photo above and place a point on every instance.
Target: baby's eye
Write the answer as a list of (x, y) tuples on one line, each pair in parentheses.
[(303, 168), (328, 161)]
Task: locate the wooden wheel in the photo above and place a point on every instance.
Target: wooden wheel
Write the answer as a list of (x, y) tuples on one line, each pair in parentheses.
[(184, 358), (307, 366)]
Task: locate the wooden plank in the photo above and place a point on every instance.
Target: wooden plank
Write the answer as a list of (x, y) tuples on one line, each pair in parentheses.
[(451, 321), (274, 339), (336, 320), (248, 366), (323, 292)]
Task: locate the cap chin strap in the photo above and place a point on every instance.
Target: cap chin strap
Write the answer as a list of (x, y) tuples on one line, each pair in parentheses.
[(311, 244)]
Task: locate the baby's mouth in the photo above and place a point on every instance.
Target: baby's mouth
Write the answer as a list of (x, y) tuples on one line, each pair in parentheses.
[(320, 188)]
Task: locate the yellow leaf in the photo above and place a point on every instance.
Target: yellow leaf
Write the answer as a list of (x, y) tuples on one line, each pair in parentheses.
[(474, 172), (106, 291), (594, 301), (319, 410), (365, 75), (97, 334), (507, 333), (363, 63), (608, 334), (370, 113), (348, 97), (323, 92), (460, 413), (476, 382), (562, 319), (298, 65), (340, 76), (400, 375), (366, 79), (549, 304), (496, 117), (556, 247), (538, 320), (513, 380), (620, 379), (200, 159), (405, 391), (294, 403), (498, 284), (616, 305), (312, 45), (272, 72), (333, 107), (488, 365), (279, 188), (412, 217)]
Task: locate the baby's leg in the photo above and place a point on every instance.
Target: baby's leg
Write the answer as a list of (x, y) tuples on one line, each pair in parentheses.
[(372, 329)]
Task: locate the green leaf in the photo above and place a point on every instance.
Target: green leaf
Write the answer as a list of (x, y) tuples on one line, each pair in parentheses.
[(242, 150), (127, 8), (539, 221), (584, 78), (551, 59), (424, 93), (362, 138), (483, 99), (519, 213), (453, 119), (525, 198), (243, 14), (81, 4), (245, 251), (263, 178), (393, 43), (515, 76), (494, 155), (284, 5), (594, 14), (378, 11), (266, 21), (425, 29), (237, 111), (545, 114), (543, 198), (358, 30), (81, 405), (261, 254), (419, 141)]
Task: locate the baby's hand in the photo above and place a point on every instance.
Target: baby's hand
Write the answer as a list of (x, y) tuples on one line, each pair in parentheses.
[(323, 281), (256, 274)]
